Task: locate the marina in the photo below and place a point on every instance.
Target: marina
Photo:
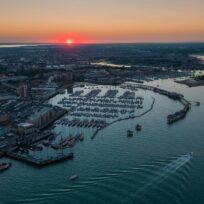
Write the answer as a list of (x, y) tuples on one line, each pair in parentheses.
[(92, 108), (86, 112), (89, 108), (109, 134)]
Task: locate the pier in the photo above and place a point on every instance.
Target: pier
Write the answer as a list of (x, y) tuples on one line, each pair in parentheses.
[(39, 162), (95, 133)]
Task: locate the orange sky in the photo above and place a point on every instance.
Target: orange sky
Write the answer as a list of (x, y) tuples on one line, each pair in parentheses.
[(100, 21)]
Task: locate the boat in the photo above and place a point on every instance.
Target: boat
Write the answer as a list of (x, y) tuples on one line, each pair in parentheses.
[(81, 137), (197, 103), (129, 133), (4, 166), (55, 146), (191, 154), (73, 177), (138, 127)]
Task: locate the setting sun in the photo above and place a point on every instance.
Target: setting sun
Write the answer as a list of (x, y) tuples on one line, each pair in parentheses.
[(69, 42)]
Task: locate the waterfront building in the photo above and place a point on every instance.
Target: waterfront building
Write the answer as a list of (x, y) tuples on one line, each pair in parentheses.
[(42, 117), (25, 128), (22, 91)]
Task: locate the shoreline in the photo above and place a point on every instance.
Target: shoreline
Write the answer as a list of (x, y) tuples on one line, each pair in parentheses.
[(190, 82)]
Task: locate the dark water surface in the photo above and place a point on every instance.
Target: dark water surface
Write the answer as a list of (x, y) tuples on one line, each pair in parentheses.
[(151, 167)]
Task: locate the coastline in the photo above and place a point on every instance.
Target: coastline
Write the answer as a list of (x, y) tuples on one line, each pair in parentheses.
[(190, 82)]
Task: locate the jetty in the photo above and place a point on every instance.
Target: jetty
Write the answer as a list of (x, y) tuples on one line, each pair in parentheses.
[(39, 162)]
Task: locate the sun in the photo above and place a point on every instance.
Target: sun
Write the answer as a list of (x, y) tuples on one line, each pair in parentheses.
[(69, 42)]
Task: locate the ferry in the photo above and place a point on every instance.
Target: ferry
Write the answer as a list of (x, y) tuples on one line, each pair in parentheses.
[(4, 166)]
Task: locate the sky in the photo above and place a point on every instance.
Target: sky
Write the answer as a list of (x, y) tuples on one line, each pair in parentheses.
[(101, 21)]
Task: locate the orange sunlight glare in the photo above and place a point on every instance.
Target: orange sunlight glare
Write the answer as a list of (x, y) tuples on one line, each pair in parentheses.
[(69, 42)]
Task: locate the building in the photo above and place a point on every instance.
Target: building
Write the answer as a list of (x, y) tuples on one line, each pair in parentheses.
[(25, 128), (5, 119), (22, 91), (42, 117), (65, 77), (2, 132)]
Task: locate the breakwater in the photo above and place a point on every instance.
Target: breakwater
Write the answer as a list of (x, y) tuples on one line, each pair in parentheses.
[(172, 118)]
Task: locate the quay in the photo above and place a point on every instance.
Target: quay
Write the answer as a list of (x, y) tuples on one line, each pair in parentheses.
[(39, 162)]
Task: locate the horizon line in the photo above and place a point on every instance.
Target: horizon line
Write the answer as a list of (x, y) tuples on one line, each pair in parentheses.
[(98, 43)]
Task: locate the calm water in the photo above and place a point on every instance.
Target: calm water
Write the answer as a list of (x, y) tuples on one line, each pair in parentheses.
[(17, 45), (151, 167)]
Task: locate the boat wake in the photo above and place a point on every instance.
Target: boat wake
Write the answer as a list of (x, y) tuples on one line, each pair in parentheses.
[(164, 182), (164, 173)]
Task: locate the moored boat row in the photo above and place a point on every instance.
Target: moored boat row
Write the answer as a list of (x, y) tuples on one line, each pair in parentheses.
[(68, 142)]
